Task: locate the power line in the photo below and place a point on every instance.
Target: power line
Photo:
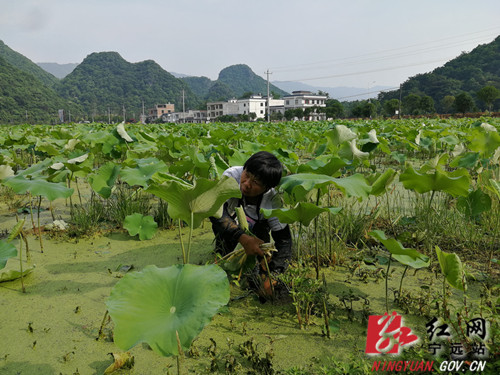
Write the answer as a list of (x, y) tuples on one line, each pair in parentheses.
[(368, 71), (355, 59)]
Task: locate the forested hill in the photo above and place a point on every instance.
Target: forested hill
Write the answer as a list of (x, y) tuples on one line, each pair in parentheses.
[(24, 98), (21, 62), (468, 73), (105, 81), (234, 81)]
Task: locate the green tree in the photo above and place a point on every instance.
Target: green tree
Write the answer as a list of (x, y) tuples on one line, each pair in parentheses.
[(364, 109), (464, 103), (333, 109), (427, 105), (447, 103), (411, 104), (391, 106), (488, 94)]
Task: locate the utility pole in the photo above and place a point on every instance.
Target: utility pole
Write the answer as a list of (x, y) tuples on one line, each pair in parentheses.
[(400, 96), (268, 104), (183, 108)]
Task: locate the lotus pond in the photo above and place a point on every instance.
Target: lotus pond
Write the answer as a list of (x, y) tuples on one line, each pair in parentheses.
[(106, 251)]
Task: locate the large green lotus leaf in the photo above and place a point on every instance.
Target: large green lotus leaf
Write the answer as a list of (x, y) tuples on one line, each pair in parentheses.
[(38, 186), (475, 203), (7, 250), (144, 226), (354, 186), (300, 184), (455, 183), (151, 305), (303, 212), (323, 165), (467, 160), (484, 142), (406, 256), (202, 200), (379, 183), (452, 268), (142, 173), (104, 179), (35, 170)]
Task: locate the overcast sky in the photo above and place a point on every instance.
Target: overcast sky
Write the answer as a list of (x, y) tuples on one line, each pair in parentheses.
[(359, 43)]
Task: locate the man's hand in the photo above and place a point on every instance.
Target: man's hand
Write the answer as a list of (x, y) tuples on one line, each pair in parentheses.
[(251, 244)]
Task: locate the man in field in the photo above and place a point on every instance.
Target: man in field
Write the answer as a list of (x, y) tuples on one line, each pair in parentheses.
[(257, 178)]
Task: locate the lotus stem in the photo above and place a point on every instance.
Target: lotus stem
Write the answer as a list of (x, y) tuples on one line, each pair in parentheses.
[(299, 259), (401, 282), (182, 243), (179, 354), (31, 212), (269, 275), (190, 236), (387, 286), (38, 222), (327, 324), (101, 328), (21, 262), (78, 190), (316, 239)]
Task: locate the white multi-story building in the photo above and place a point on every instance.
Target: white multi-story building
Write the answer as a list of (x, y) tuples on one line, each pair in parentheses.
[(255, 104), (306, 100)]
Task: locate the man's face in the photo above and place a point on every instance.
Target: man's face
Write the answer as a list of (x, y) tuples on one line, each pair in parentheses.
[(251, 186)]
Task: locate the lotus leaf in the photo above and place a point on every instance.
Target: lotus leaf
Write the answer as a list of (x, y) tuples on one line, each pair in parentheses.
[(120, 129), (38, 186), (340, 134), (7, 250), (329, 166), (380, 182), (142, 173), (303, 212), (406, 256), (495, 187), (14, 274), (194, 203), (484, 142), (104, 179), (454, 183), (6, 171), (452, 268), (144, 226), (301, 183), (474, 204), (152, 305)]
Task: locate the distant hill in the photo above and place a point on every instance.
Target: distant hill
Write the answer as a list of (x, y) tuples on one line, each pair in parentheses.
[(23, 63), (233, 82), (24, 98), (57, 70), (105, 80), (341, 93), (468, 72)]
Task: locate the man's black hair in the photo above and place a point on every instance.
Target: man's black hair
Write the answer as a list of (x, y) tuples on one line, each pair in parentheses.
[(266, 167)]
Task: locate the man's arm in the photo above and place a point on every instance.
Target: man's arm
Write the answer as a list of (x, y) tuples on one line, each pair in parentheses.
[(229, 232)]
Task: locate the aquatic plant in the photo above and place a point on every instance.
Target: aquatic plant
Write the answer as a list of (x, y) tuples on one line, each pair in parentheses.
[(155, 304)]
